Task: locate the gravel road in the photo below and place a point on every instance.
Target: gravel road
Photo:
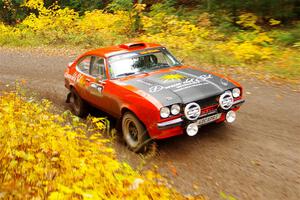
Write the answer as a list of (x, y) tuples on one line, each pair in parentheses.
[(257, 157)]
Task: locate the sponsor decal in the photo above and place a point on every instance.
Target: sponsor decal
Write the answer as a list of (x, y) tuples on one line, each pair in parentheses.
[(224, 82), (81, 81), (172, 77), (179, 86), (73, 77), (156, 88)]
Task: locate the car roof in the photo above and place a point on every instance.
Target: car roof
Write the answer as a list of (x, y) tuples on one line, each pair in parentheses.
[(122, 48)]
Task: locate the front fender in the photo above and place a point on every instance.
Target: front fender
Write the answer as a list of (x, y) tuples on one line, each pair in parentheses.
[(147, 114)]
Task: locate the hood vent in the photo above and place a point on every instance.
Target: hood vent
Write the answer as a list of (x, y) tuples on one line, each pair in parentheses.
[(133, 45)]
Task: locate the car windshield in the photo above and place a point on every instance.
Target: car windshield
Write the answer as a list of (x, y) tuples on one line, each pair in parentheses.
[(140, 62)]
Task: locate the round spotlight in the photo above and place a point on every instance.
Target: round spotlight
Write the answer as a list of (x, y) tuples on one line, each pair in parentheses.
[(164, 112), (226, 100), (175, 109), (192, 111), (236, 92), (192, 129), (230, 116)]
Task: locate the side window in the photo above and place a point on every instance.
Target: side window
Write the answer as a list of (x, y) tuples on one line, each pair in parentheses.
[(84, 64), (98, 68)]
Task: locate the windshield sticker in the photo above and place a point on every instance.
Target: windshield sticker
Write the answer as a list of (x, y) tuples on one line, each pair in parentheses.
[(149, 51), (122, 56)]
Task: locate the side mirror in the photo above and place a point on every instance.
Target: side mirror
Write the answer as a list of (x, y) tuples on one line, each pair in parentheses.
[(70, 64), (99, 79)]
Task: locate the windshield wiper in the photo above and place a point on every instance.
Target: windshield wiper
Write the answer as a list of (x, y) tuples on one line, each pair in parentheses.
[(126, 74), (160, 66)]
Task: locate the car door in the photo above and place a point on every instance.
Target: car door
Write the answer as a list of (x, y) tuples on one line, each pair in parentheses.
[(96, 82), (82, 80)]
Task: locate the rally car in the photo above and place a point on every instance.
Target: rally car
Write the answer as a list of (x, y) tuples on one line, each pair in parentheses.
[(150, 92)]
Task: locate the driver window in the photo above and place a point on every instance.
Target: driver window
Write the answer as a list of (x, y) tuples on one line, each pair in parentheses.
[(98, 68), (84, 64)]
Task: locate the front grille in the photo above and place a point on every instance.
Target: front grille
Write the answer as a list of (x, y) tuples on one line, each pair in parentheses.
[(208, 106), (209, 110), (208, 102)]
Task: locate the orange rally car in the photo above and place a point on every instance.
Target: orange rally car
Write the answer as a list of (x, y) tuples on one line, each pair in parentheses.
[(150, 92)]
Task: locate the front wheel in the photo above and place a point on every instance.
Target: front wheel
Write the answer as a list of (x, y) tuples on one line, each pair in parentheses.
[(134, 133)]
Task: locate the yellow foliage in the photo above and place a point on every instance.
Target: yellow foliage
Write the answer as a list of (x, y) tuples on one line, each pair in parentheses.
[(249, 46), (274, 22), (246, 51), (177, 34), (53, 22), (139, 7), (98, 21), (262, 38), (34, 4), (45, 155), (248, 20), (8, 31)]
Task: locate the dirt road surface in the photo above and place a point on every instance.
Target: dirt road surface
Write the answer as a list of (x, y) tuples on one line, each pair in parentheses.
[(257, 157)]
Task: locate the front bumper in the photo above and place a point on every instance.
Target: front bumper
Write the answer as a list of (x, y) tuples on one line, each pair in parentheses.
[(176, 126), (170, 124)]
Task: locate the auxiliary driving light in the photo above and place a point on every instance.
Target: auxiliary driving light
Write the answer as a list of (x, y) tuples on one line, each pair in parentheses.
[(192, 129), (230, 116)]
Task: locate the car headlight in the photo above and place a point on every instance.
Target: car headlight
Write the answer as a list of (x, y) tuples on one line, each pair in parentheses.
[(236, 92), (164, 112), (175, 109)]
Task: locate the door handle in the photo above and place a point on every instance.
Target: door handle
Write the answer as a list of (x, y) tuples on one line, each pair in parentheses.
[(87, 80), (102, 82)]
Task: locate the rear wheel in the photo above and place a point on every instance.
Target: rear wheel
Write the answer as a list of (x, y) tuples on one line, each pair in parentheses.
[(134, 133), (78, 105)]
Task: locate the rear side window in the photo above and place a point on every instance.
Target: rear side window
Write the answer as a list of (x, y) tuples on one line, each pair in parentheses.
[(98, 68), (84, 64)]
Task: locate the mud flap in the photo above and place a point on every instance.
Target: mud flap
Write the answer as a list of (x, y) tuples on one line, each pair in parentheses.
[(68, 97)]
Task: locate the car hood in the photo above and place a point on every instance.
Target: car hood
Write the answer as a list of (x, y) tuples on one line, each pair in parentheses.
[(180, 85)]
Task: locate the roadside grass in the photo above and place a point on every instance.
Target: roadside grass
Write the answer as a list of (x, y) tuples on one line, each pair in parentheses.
[(55, 156)]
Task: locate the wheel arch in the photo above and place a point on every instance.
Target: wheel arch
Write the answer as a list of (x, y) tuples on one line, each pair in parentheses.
[(132, 110)]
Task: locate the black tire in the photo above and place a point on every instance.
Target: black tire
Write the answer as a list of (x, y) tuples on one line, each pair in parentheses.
[(134, 133), (78, 105)]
